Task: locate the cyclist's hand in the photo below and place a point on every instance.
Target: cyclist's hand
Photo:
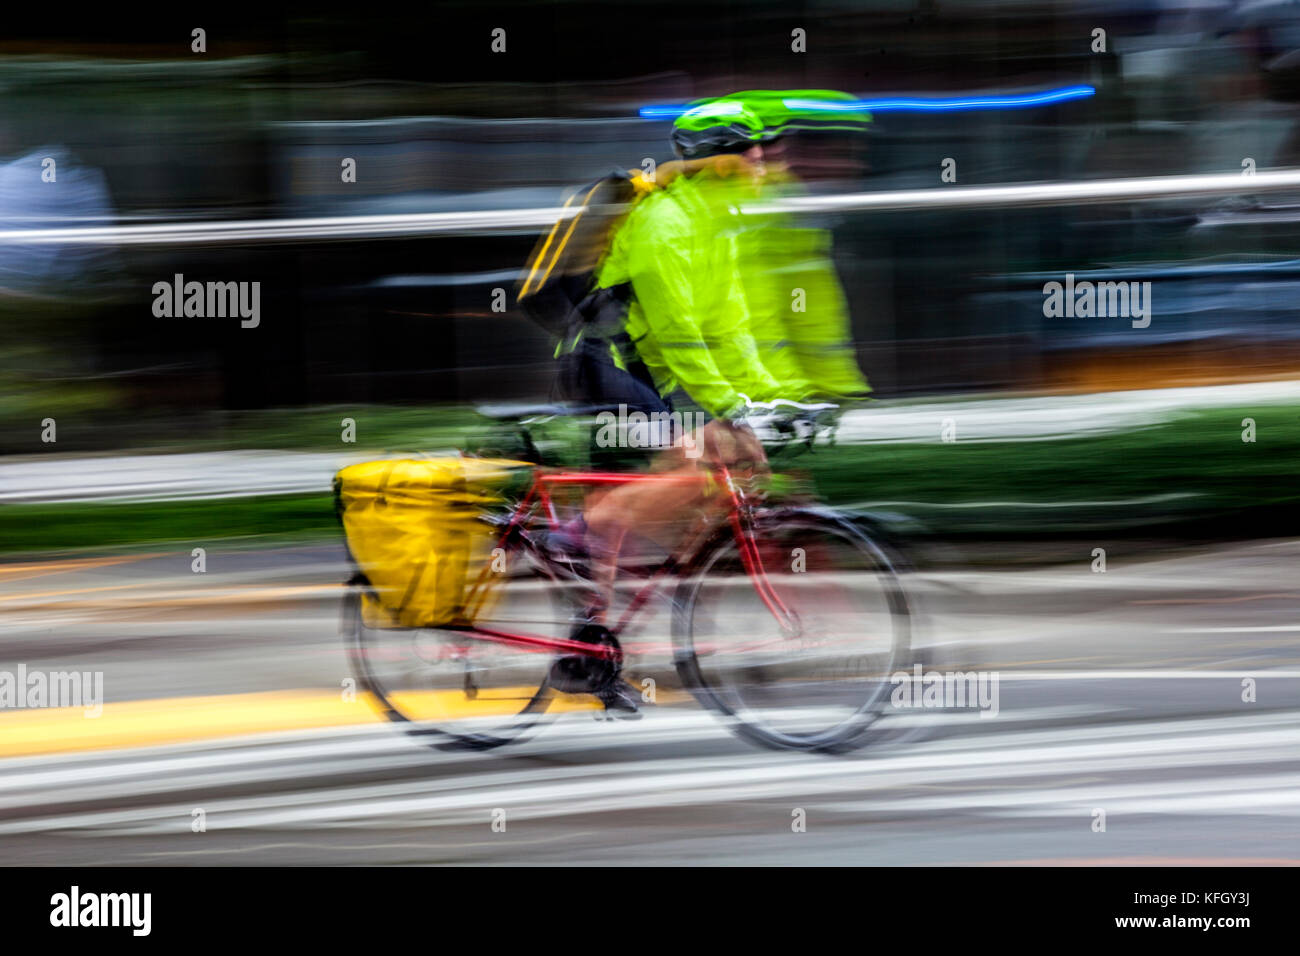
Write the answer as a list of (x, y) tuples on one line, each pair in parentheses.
[(730, 444)]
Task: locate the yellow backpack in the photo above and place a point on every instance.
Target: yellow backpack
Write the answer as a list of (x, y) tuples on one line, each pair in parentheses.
[(413, 528)]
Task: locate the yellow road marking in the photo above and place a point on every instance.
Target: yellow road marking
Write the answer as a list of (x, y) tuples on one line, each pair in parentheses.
[(38, 594), (221, 594), (41, 568), (142, 723)]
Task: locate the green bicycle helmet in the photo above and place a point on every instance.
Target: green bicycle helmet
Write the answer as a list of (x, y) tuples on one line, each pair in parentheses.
[(711, 127), (739, 121)]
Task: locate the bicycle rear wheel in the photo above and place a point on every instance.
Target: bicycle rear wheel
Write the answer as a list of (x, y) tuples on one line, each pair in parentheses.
[(816, 680), (456, 691)]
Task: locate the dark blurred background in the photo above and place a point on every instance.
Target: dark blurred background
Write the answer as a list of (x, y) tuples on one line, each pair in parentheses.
[(255, 128)]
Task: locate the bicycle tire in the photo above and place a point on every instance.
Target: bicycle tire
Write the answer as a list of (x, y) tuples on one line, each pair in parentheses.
[(455, 732), (701, 672)]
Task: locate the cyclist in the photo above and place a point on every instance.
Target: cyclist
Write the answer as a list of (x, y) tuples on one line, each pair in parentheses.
[(727, 311)]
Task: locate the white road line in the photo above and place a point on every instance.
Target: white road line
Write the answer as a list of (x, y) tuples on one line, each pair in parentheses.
[(1241, 793), (139, 777), (649, 787), (1154, 674), (1271, 629), (1166, 747)]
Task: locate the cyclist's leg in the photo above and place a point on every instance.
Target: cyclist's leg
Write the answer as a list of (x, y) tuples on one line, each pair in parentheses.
[(654, 510), (662, 511), (590, 375)]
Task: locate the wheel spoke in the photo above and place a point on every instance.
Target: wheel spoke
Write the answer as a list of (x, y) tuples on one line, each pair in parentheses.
[(469, 691), (820, 682)]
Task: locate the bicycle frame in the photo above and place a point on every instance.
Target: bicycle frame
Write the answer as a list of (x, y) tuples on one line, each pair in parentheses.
[(539, 498)]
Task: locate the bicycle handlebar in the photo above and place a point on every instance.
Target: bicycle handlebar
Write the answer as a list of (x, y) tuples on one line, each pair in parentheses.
[(783, 421)]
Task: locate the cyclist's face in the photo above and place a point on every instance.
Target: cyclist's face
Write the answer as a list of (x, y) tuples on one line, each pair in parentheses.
[(755, 156)]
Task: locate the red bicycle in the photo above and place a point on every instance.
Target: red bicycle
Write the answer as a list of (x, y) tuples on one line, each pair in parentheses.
[(785, 620)]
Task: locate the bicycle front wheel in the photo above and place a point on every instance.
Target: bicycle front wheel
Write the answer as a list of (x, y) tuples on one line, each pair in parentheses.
[(796, 645)]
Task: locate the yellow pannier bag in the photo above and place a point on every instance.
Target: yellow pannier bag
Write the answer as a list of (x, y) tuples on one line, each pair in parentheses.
[(413, 528)]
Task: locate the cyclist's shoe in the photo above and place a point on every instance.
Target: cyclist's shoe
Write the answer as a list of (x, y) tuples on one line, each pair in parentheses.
[(620, 700), (579, 674), (589, 675)]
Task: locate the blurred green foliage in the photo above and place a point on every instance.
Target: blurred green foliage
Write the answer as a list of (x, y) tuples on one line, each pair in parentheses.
[(1193, 475)]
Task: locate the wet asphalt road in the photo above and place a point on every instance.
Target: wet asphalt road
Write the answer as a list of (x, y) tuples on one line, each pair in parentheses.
[(1119, 692)]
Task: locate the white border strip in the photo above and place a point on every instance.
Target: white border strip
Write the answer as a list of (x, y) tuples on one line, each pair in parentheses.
[(1043, 194), (461, 223)]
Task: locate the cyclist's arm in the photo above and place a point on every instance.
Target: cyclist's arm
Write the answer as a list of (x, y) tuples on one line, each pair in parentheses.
[(664, 286), (688, 287)]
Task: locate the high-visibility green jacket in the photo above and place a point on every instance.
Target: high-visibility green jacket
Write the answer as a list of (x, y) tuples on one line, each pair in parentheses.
[(726, 304)]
